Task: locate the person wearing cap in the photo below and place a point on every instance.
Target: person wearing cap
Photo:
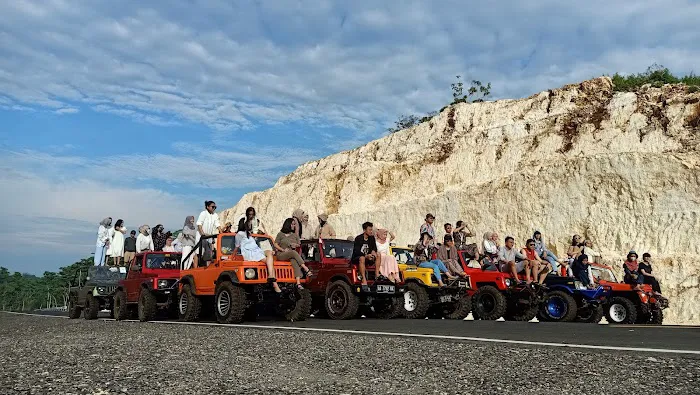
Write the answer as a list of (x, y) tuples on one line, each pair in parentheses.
[(645, 270), (130, 248), (631, 268), (428, 229), (324, 230)]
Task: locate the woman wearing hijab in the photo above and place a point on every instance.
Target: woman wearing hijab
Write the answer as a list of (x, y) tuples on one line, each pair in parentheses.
[(490, 244), (632, 274), (307, 233), (580, 269), (286, 244), (324, 230), (102, 243), (159, 237), (298, 217), (188, 237), (144, 242), (388, 267), (116, 246)]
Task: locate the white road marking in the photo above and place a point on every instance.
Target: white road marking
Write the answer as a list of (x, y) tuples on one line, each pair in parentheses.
[(396, 334)]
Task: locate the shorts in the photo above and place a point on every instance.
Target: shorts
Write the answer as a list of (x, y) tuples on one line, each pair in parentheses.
[(129, 256), (519, 266)]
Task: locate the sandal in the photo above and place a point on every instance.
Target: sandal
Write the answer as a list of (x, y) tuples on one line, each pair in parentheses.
[(307, 273), (300, 287)]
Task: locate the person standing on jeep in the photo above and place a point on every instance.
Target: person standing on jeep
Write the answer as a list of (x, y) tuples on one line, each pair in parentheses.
[(130, 248), (428, 229), (324, 230), (207, 225), (102, 241), (365, 250)]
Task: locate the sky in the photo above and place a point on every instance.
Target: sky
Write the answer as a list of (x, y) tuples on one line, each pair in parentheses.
[(143, 110)]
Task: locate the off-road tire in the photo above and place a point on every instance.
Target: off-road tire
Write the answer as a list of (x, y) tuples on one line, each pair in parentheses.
[(657, 317), (302, 309), (421, 302), (92, 307), (392, 309), (193, 308), (147, 306), (73, 309), (571, 307), (523, 314), (231, 311), (488, 303), (624, 303), (121, 309), (461, 308), (591, 314), (344, 311)]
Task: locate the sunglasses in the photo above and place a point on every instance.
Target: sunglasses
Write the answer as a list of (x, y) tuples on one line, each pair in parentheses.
[(214, 207), (530, 245)]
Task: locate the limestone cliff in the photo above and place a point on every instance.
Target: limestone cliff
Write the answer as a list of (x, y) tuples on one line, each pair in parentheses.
[(621, 169)]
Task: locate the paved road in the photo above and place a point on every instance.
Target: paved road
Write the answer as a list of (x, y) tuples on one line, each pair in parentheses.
[(47, 355), (617, 337)]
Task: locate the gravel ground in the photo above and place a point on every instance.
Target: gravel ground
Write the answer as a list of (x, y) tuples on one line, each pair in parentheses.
[(42, 355)]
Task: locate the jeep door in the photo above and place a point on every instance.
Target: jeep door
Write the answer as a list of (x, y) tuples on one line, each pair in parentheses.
[(132, 282)]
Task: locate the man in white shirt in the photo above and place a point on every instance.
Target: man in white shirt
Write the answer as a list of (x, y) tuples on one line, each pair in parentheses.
[(208, 225), (510, 259)]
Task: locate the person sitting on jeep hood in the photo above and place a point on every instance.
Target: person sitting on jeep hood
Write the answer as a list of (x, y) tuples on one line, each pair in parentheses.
[(422, 253), (447, 253), (251, 252), (286, 244), (580, 269), (535, 264), (365, 250), (324, 230), (389, 268), (632, 274), (510, 259), (645, 269), (491, 248)]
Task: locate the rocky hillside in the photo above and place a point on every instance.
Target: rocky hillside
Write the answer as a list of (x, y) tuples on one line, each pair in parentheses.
[(621, 169)]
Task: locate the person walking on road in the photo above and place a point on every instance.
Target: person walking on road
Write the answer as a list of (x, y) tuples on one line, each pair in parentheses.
[(102, 243)]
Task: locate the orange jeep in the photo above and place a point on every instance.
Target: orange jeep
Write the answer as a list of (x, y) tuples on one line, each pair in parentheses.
[(238, 289)]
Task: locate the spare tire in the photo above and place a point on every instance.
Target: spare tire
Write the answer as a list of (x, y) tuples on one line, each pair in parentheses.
[(488, 303)]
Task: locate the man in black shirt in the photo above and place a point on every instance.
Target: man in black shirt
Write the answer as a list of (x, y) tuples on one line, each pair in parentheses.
[(365, 250), (646, 269), (130, 248)]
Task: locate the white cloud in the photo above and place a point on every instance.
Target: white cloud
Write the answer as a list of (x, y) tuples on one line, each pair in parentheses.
[(68, 110), (356, 65)]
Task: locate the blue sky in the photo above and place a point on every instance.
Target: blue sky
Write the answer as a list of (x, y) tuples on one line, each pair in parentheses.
[(142, 111)]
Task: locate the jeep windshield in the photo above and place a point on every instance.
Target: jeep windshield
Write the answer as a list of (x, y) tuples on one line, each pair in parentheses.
[(403, 255), (163, 261), (603, 273)]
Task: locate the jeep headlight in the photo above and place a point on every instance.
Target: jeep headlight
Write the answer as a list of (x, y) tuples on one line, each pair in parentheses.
[(250, 273), (101, 290), (162, 283), (579, 285), (509, 282)]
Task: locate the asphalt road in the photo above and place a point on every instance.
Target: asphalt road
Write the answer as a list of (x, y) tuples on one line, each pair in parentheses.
[(54, 355)]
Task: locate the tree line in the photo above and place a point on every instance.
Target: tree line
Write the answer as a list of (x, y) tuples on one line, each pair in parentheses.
[(26, 292)]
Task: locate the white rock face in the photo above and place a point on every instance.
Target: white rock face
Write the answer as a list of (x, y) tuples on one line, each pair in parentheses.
[(620, 169)]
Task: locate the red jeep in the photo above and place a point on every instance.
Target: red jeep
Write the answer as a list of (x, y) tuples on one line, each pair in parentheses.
[(627, 305), (498, 295), (151, 284), (336, 286)]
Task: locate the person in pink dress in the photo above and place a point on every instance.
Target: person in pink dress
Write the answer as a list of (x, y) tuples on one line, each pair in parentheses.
[(389, 268)]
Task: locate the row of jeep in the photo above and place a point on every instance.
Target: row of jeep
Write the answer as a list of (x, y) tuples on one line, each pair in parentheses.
[(234, 290)]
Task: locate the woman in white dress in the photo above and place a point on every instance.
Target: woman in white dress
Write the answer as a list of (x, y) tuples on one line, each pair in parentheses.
[(103, 237), (253, 253), (388, 268), (116, 246), (188, 239)]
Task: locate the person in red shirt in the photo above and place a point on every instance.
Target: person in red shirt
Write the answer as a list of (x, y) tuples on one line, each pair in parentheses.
[(535, 265)]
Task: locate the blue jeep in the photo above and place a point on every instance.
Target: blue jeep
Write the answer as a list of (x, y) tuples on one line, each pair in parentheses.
[(567, 300)]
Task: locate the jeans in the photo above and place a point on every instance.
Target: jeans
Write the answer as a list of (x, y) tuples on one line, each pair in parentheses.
[(100, 251), (549, 257), (582, 275), (437, 267)]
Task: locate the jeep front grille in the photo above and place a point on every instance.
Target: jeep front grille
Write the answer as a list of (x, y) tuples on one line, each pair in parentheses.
[(281, 273)]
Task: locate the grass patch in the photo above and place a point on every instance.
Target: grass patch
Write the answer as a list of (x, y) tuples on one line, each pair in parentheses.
[(656, 76)]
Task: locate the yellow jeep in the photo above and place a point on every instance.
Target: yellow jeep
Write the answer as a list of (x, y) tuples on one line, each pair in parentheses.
[(423, 297)]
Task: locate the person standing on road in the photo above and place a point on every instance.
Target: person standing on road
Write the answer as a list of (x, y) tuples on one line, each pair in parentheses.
[(144, 242), (130, 248), (365, 251), (324, 230), (117, 244), (188, 238), (208, 225), (102, 243)]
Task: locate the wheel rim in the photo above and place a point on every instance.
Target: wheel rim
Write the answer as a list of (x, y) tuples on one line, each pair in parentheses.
[(556, 307), (337, 301), (183, 303), (618, 312), (223, 303), (487, 303), (410, 301)]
